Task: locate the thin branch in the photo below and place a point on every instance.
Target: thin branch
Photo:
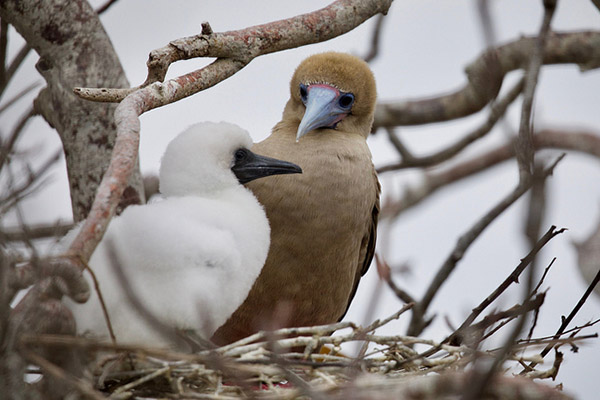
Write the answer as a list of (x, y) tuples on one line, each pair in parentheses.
[(486, 22), (375, 39), (7, 147), (456, 336), (105, 6), (580, 141), (14, 65), (485, 76), (31, 183), (524, 143), (385, 274), (18, 96), (35, 232), (497, 110), (566, 321), (398, 144), (417, 322), (3, 46)]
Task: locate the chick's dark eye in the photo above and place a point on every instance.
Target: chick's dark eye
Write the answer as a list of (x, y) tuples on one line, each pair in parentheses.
[(303, 92), (240, 155), (346, 100)]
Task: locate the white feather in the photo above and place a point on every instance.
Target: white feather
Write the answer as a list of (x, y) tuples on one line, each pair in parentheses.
[(192, 257)]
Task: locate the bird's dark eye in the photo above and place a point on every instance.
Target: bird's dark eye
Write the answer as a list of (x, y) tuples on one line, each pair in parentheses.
[(303, 92), (346, 100), (240, 154)]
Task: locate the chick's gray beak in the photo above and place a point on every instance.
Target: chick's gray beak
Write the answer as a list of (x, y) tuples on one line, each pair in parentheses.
[(249, 166)]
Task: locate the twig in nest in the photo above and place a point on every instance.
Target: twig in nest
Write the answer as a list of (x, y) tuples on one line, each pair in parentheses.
[(566, 321), (455, 337)]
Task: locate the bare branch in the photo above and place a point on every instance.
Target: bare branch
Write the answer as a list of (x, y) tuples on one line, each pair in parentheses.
[(375, 39), (105, 6), (18, 96), (580, 141), (14, 65), (486, 22), (240, 47), (485, 76), (417, 322), (497, 110), (3, 46), (456, 336), (34, 232), (566, 321), (385, 274), (7, 147), (524, 150), (31, 183)]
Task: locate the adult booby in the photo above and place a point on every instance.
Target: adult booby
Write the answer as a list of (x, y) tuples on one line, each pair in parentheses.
[(323, 222), (192, 257)]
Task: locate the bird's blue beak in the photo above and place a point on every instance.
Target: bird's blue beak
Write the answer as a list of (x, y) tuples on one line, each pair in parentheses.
[(325, 107)]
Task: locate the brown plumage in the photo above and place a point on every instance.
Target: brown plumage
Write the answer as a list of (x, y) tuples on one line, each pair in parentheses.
[(323, 222)]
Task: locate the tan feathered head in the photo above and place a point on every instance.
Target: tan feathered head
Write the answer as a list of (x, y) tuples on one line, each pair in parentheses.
[(333, 90)]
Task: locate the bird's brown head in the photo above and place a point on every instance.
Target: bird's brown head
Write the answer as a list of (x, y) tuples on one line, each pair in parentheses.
[(332, 90)]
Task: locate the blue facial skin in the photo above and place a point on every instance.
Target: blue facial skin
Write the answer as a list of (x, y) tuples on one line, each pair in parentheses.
[(325, 107)]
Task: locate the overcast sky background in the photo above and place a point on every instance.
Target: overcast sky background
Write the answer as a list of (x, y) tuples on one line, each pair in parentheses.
[(424, 50)]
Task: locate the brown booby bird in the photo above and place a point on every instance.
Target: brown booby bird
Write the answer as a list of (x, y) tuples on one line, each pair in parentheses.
[(323, 222)]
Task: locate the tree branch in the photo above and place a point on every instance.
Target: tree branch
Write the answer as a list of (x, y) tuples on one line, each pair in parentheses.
[(524, 145), (485, 77), (497, 110), (242, 46), (580, 141)]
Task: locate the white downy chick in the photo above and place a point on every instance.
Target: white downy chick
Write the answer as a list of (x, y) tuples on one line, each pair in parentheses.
[(191, 258)]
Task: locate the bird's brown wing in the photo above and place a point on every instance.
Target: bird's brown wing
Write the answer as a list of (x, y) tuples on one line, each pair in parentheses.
[(367, 248)]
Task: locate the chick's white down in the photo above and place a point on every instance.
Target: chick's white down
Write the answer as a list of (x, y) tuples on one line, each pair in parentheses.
[(190, 258)]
